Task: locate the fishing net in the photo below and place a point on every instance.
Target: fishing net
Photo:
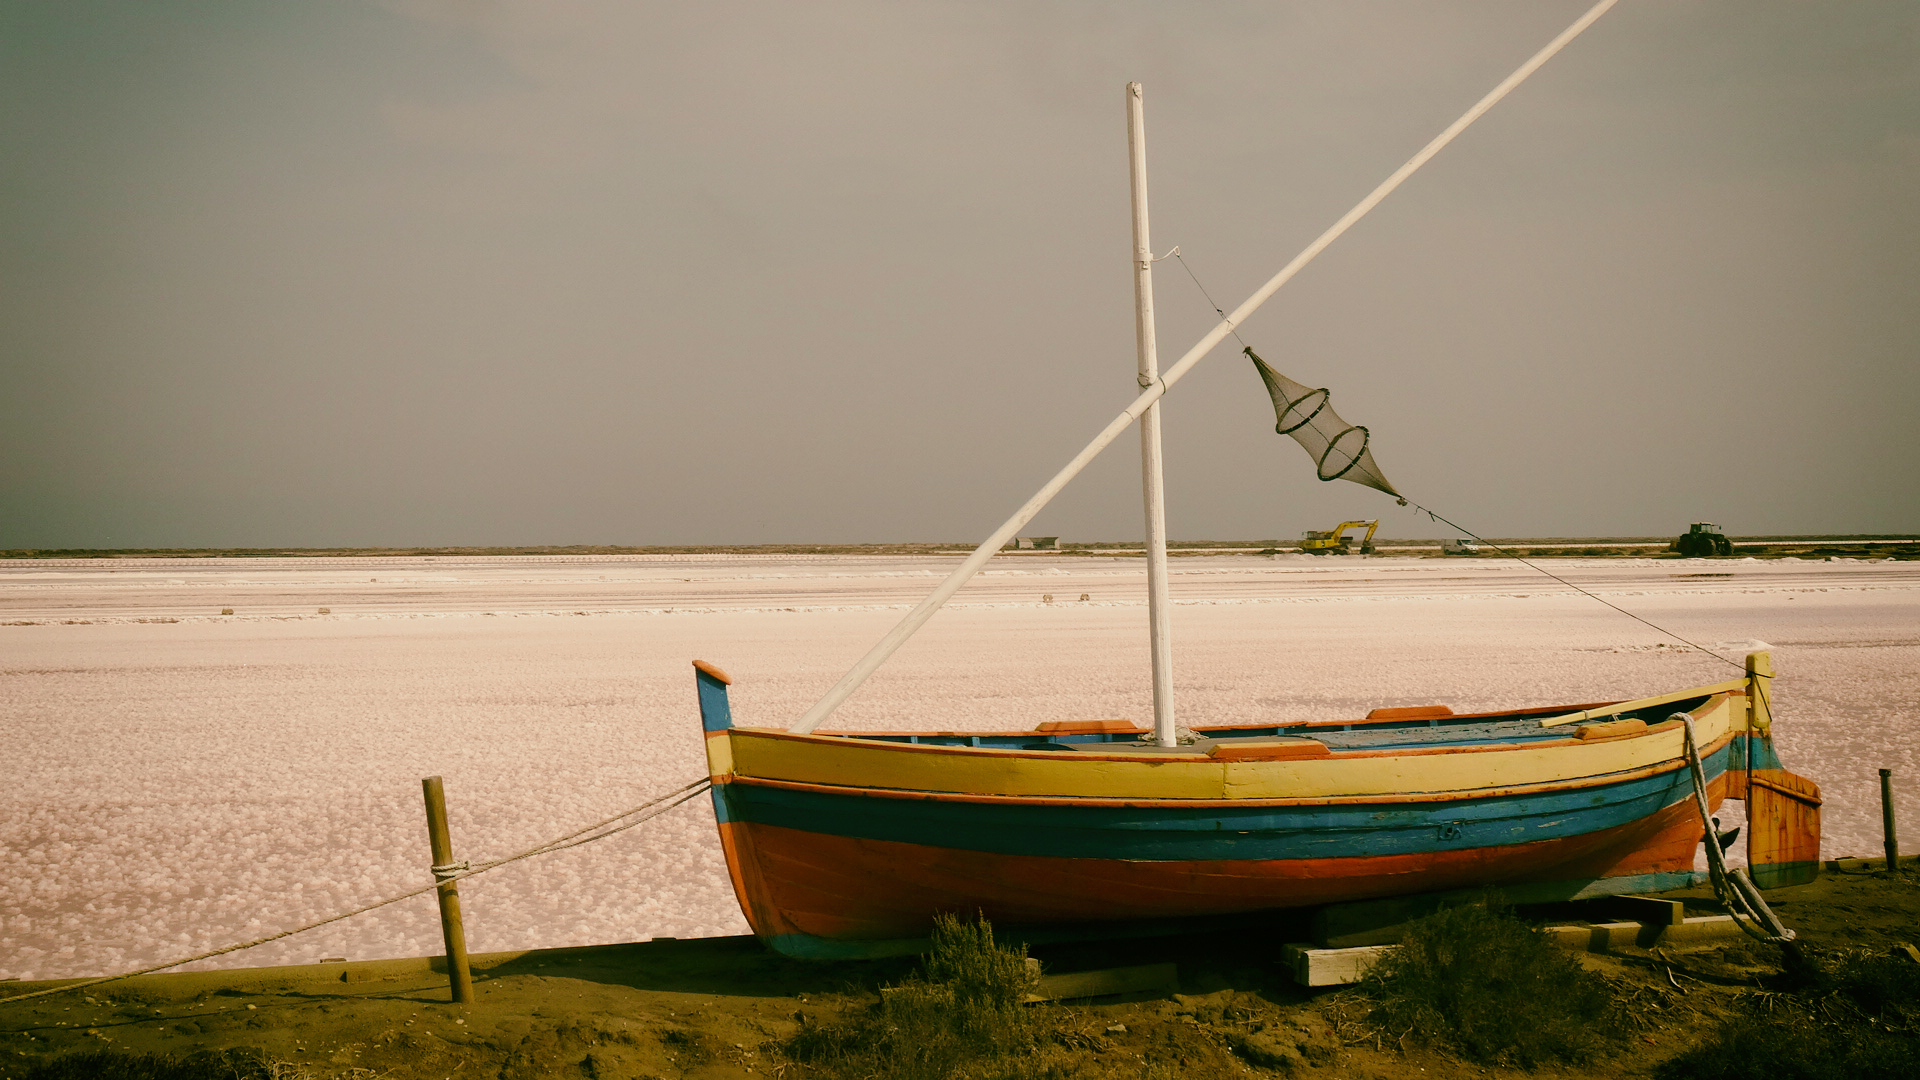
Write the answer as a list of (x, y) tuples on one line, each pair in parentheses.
[(1339, 449)]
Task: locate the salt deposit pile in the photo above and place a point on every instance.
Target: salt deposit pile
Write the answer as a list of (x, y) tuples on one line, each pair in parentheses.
[(178, 779)]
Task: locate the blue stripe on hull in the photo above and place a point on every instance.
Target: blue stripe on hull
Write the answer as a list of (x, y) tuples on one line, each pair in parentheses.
[(1753, 752), (1093, 830)]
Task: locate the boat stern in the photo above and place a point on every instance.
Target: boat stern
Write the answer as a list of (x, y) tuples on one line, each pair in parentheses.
[(1783, 808)]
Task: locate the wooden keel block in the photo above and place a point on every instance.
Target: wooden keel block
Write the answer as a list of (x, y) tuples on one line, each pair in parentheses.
[(1144, 979), (1701, 929), (1331, 967), (1602, 937), (1310, 966), (1651, 910)]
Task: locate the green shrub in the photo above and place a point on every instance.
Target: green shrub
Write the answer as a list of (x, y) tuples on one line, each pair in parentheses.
[(960, 1011), (1478, 979)]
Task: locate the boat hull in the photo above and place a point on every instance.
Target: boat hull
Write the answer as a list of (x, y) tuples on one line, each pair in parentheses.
[(821, 895), (1107, 834)]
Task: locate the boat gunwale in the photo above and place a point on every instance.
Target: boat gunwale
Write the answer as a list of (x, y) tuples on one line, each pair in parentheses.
[(1154, 755), (1547, 712), (1553, 716)]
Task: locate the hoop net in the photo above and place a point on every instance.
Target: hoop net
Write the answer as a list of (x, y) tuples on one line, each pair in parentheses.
[(1339, 449)]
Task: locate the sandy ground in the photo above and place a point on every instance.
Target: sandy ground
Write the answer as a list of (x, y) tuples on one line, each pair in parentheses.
[(181, 779), (718, 1008)]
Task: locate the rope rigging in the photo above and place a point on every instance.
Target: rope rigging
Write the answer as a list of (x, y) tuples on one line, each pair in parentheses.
[(442, 874), (1292, 404), (1735, 890)]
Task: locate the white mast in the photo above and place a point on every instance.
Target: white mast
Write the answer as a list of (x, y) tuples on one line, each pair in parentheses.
[(1151, 395), (1159, 626)]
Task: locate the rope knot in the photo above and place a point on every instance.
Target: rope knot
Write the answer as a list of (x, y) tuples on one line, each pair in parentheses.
[(447, 871)]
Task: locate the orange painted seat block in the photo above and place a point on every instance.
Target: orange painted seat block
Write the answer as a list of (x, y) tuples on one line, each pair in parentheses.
[(1410, 712), (1087, 727)]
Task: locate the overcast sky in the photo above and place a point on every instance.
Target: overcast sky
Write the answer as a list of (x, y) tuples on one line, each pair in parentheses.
[(514, 273)]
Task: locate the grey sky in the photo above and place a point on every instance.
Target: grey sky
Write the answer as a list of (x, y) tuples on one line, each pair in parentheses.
[(505, 273)]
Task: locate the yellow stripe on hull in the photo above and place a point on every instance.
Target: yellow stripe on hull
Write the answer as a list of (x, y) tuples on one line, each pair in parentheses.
[(1116, 774)]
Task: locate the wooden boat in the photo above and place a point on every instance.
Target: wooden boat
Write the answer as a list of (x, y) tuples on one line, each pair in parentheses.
[(848, 844), (845, 845)]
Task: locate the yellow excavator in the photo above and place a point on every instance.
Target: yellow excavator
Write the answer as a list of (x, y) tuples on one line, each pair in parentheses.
[(1329, 543)]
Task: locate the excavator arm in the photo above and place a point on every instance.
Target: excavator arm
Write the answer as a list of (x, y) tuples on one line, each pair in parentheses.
[(1366, 542)]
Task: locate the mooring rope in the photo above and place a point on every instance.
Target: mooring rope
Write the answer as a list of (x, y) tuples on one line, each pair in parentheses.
[(442, 875), (1594, 596)]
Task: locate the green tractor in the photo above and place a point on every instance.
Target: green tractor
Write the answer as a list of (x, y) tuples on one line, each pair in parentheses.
[(1702, 540)]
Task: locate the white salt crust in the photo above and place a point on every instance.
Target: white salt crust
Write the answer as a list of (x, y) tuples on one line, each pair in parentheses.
[(177, 779)]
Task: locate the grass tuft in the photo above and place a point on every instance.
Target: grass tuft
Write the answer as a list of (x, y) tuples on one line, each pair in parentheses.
[(127, 1065), (1858, 1018), (961, 1012), (1479, 980)]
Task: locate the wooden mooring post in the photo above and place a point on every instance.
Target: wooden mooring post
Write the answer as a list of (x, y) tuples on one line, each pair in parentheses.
[(458, 974), (1886, 819)]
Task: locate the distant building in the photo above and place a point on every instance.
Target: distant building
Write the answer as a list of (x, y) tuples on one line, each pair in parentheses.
[(1034, 543)]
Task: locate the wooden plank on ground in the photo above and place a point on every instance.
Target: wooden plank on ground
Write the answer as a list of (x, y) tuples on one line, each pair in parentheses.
[(1331, 967), (1859, 866)]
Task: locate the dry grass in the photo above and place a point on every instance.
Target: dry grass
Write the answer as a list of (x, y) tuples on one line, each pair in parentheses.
[(961, 1014), (1854, 1017), (1477, 980)]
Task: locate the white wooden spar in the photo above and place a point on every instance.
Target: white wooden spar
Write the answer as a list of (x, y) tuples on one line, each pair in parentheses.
[(991, 545), (1152, 482)]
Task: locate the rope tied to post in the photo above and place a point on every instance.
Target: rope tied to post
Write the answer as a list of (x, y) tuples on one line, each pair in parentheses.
[(454, 872)]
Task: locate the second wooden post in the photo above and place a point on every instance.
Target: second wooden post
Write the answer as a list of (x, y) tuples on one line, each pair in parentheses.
[(444, 868), (1890, 841)]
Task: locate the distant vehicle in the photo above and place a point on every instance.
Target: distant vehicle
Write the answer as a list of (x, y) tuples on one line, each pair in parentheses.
[(1327, 543), (1702, 539)]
